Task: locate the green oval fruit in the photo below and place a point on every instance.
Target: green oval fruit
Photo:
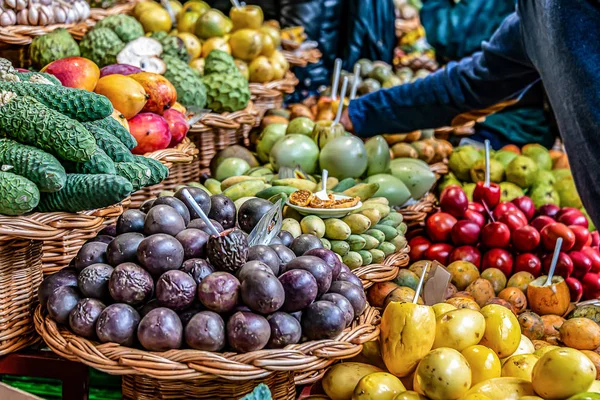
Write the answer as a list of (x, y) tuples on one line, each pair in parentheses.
[(292, 226), (407, 278), (358, 223), (389, 231), (378, 156), (311, 224), (293, 150), (391, 188), (367, 258), (387, 248), (352, 260), (231, 167), (344, 157), (370, 242), (393, 219), (337, 229), (378, 256), (326, 243), (377, 234), (340, 247), (356, 242), (301, 126), (418, 180), (271, 134)]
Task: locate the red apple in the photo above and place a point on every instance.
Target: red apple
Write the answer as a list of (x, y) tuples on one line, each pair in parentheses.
[(151, 132), (513, 219), (573, 217), (564, 265), (582, 236), (502, 208), (594, 255), (454, 201), (161, 92), (495, 234), (475, 216), (490, 195), (439, 252), (563, 211), (528, 262), (541, 221), (418, 246), (75, 72), (549, 210), (591, 286), (178, 126), (582, 264), (525, 239), (595, 239), (120, 69), (466, 253), (439, 226), (525, 204), (498, 258), (551, 232), (476, 207), (575, 288), (465, 233)]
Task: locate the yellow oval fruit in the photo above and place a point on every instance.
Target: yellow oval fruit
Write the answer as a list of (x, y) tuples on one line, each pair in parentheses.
[(125, 94), (215, 43), (475, 396), (268, 46), (197, 6), (459, 329), (156, 19), (273, 32), (503, 388), (186, 22), (409, 395), (198, 65), (580, 334), (530, 398), (484, 363), (246, 44), (543, 350), (502, 330), (341, 379), (120, 118), (378, 386), (261, 70), (520, 366), (444, 374), (442, 308), (192, 44), (562, 373), (143, 6), (463, 273), (525, 347)]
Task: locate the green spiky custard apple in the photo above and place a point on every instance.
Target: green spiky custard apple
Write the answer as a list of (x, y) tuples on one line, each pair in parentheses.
[(126, 27), (190, 88), (51, 47), (172, 46), (101, 45), (226, 89), (219, 62)]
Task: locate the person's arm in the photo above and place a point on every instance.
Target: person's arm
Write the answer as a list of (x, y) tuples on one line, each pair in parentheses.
[(451, 96)]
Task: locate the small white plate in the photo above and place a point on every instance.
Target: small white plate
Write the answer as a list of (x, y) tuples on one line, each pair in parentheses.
[(326, 212)]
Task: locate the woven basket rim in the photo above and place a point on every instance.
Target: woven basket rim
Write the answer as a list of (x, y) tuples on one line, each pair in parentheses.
[(275, 88), (301, 58), (226, 120), (183, 153)]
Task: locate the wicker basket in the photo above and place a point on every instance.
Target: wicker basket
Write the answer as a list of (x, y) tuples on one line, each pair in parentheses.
[(183, 164), (218, 131), (371, 274), (301, 58), (270, 95), (20, 276), (62, 233)]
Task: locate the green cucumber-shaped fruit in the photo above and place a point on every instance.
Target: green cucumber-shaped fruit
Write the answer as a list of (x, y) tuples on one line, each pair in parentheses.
[(363, 190), (28, 121), (273, 190), (358, 223), (244, 189), (402, 228), (393, 219), (313, 225), (34, 76), (213, 186), (166, 193), (340, 247), (78, 104), (370, 242), (352, 259), (399, 242), (377, 234), (389, 231), (113, 127), (356, 242), (344, 184), (382, 208), (112, 146), (18, 195), (86, 192), (39, 167), (367, 257), (138, 174), (100, 163), (326, 243), (336, 229), (387, 248), (292, 226), (378, 256), (159, 171)]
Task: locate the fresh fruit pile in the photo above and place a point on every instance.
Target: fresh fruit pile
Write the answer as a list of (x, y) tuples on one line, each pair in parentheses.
[(62, 149), (245, 35), (161, 278), (533, 170)]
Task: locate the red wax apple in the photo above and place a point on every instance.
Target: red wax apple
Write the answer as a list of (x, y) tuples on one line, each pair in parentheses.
[(594, 255), (439, 226), (490, 195), (525, 239), (475, 216), (591, 286), (178, 126), (495, 234), (564, 265), (575, 288), (541, 221), (476, 207), (595, 238), (582, 236), (513, 219), (502, 208), (466, 253), (582, 264), (549, 210), (151, 132), (551, 232), (528, 262), (563, 211), (439, 252), (454, 201), (573, 217), (525, 204), (418, 246), (498, 258), (465, 233)]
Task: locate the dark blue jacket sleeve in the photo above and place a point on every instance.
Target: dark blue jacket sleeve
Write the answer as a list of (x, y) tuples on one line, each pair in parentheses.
[(500, 71)]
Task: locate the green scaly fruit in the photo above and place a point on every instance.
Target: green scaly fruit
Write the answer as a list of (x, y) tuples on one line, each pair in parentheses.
[(28, 121), (226, 93), (138, 174), (219, 62), (86, 192), (36, 76), (100, 163), (112, 146), (101, 45), (173, 46), (190, 88), (159, 172), (18, 195), (125, 26), (51, 47), (78, 104), (39, 167), (112, 127)]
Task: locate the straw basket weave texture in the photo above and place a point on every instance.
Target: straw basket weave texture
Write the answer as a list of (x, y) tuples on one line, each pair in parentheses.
[(269, 95)]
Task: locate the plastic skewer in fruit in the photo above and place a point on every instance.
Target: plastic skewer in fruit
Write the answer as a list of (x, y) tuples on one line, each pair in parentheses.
[(355, 81), (407, 333), (325, 104), (487, 193), (327, 130), (549, 294)]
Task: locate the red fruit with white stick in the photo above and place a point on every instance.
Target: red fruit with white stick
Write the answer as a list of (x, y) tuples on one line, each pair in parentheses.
[(454, 201), (551, 232), (564, 264), (486, 192)]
